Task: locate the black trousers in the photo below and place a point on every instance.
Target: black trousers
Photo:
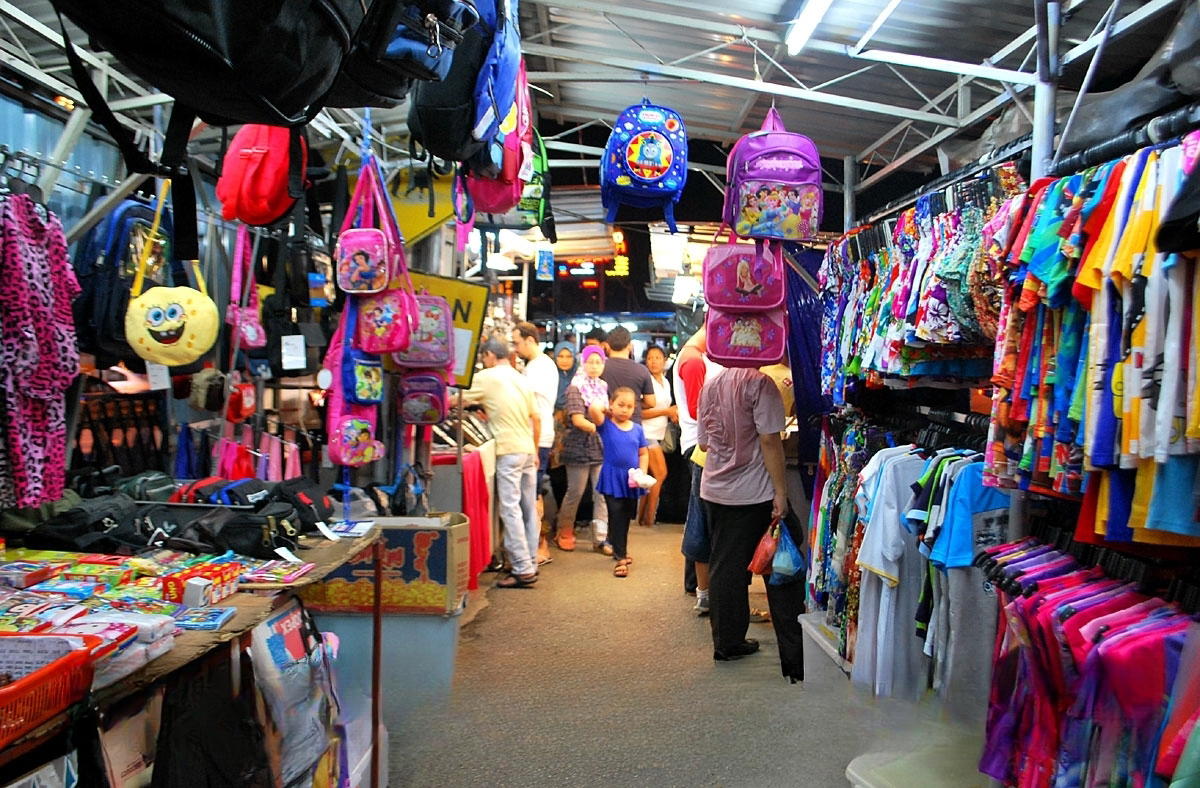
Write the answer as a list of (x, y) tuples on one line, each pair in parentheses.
[(620, 512), (735, 531)]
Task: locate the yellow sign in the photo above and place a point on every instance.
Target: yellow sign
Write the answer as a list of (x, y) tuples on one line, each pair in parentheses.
[(620, 266), (412, 208), (468, 303)]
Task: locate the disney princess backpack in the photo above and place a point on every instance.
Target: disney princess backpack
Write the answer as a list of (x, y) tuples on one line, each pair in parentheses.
[(773, 189), (645, 161)]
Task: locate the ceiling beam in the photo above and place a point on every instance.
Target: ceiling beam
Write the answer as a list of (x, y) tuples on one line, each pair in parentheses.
[(770, 88), (594, 76), (948, 66), (55, 37), (689, 20), (1122, 25)]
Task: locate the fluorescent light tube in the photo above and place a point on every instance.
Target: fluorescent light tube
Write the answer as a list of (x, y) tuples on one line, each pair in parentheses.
[(805, 24)]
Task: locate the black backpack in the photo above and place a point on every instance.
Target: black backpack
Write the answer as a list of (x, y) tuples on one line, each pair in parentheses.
[(442, 114)]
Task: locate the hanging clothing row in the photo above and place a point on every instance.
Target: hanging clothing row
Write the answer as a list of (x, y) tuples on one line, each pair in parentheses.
[(915, 304), (1094, 682), (259, 454), (883, 519), (1096, 351)]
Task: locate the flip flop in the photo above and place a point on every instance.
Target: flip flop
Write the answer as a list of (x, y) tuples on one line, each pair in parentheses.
[(516, 581), (622, 568)]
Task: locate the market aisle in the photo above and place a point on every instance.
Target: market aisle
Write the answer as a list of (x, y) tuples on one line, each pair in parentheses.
[(586, 679)]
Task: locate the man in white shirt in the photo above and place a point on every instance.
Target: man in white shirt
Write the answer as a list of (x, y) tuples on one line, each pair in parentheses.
[(542, 375)]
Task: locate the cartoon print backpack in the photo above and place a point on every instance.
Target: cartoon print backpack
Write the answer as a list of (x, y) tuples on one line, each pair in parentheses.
[(423, 397), (350, 428), (362, 372), (645, 161), (743, 277), (744, 287), (364, 251), (773, 189), (432, 343)]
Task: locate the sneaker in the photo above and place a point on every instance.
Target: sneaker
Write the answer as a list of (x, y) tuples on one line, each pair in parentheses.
[(701, 606), (602, 547), (743, 649)]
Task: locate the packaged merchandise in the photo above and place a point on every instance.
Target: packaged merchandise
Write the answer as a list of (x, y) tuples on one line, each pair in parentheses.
[(204, 618)]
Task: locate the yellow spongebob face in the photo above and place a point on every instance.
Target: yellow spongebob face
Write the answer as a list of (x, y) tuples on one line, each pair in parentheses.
[(171, 325)]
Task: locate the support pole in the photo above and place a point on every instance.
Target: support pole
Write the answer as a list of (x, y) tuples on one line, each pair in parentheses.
[(67, 140), (1044, 96), (849, 183)]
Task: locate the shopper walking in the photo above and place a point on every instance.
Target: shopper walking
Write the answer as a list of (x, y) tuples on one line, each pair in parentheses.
[(513, 416), (622, 371), (542, 375), (743, 487), (582, 452), (692, 369), (623, 477), (654, 422)]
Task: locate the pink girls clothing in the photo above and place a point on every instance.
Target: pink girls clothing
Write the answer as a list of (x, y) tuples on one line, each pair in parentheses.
[(39, 358)]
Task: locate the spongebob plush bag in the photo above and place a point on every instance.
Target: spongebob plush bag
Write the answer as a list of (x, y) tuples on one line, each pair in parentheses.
[(169, 325)]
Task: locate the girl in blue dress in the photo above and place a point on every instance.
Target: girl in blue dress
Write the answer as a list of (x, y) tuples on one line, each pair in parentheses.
[(623, 478)]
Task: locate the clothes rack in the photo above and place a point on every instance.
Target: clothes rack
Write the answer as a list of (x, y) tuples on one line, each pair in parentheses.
[(1159, 129)]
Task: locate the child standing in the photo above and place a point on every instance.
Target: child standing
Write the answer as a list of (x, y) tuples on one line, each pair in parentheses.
[(623, 477)]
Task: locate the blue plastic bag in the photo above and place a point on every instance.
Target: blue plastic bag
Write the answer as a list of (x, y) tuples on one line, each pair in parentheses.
[(789, 560)]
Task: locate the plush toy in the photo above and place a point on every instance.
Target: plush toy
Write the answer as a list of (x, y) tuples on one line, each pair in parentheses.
[(169, 325)]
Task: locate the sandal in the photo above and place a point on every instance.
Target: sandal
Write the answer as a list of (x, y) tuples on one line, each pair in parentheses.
[(622, 568), (517, 581), (565, 541)]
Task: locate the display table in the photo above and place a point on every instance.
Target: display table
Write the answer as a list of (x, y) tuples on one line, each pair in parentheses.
[(254, 603)]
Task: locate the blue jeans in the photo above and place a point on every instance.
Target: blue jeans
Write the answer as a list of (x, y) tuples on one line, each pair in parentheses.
[(516, 499), (543, 464), (697, 544)]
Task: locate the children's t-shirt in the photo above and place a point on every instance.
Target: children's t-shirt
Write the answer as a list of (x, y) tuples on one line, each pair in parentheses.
[(976, 517), (620, 454)]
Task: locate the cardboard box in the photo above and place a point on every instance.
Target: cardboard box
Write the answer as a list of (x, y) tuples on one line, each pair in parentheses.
[(426, 567)]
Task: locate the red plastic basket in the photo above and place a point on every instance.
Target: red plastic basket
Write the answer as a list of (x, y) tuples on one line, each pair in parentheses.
[(30, 701)]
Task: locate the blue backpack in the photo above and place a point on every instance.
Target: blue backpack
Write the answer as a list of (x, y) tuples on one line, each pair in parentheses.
[(496, 85), (645, 161)]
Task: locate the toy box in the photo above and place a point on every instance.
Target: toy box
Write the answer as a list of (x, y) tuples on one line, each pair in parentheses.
[(426, 568)]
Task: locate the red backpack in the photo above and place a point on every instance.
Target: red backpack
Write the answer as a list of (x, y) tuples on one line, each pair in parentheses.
[(263, 174)]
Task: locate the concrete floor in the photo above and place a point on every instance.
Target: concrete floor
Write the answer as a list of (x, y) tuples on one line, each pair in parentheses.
[(587, 679)]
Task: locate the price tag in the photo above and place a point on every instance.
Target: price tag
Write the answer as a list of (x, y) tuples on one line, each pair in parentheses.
[(287, 555), (295, 355), (326, 531), (159, 375)]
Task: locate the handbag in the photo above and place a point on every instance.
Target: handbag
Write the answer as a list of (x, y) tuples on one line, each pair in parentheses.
[(389, 319), (247, 325), (366, 254), (670, 441), (169, 325), (208, 390), (764, 553), (362, 373)]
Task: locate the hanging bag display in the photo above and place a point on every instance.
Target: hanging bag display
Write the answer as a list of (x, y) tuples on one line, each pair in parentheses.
[(387, 320), (247, 327), (262, 168), (773, 187), (423, 398), (169, 325), (500, 192)]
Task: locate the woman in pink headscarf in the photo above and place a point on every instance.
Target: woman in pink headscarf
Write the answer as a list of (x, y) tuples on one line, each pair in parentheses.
[(582, 453)]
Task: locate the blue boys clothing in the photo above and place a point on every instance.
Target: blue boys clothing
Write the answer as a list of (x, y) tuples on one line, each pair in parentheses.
[(620, 454), (976, 517)]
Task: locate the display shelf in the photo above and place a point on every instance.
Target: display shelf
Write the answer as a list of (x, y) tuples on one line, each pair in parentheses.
[(819, 632), (327, 556)]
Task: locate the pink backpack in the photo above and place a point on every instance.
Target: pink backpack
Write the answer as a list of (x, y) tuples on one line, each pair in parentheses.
[(366, 253), (247, 326), (423, 397), (774, 184), (432, 343), (744, 287), (501, 194), (350, 427)]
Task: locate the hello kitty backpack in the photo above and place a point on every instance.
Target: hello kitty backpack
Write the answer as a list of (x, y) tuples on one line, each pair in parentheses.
[(747, 320), (645, 161)]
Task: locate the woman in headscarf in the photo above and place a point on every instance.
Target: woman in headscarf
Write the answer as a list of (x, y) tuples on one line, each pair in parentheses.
[(564, 359), (582, 452)]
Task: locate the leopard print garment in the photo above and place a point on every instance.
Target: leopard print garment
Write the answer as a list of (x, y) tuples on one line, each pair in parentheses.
[(39, 357)]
